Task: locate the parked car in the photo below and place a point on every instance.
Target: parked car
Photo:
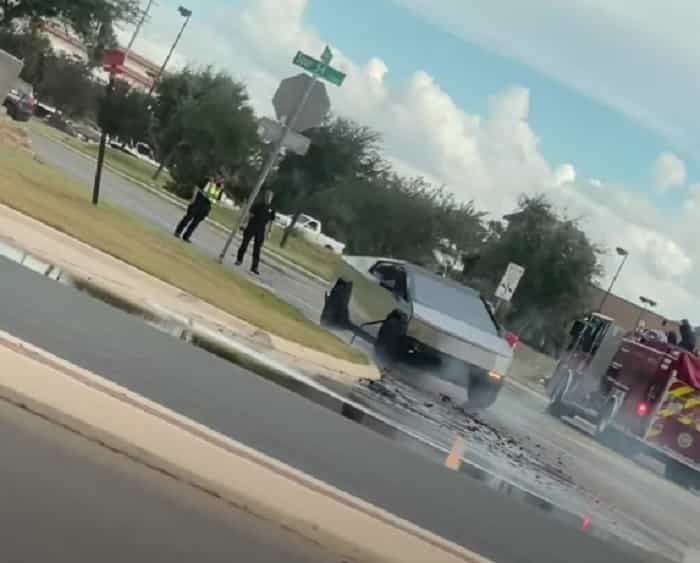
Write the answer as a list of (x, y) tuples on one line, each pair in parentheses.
[(20, 102), (445, 329), (311, 230)]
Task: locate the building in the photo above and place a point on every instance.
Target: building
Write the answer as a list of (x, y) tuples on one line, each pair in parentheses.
[(628, 314), (139, 72)]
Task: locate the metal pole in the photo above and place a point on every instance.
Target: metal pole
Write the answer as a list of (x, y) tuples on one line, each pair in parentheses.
[(612, 283), (139, 25), (167, 59), (269, 164), (103, 146)]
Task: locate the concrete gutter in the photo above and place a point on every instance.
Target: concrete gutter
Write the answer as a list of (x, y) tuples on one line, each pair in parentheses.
[(194, 454), (271, 254)]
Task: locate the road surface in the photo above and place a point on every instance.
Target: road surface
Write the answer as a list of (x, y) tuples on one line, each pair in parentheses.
[(295, 288), (284, 425), (67, 500)]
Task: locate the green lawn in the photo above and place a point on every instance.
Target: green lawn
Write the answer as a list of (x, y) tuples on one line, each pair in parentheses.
[(47, 195)]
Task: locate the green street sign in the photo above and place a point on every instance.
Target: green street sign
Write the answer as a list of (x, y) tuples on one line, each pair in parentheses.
[(333, 76), (326, 56), (319, 68)]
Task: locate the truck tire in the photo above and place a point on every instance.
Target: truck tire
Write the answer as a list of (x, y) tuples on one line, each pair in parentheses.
[(335, 307), (390, 340), (556, 406), (482, 394), (682, 475), (603, 430)]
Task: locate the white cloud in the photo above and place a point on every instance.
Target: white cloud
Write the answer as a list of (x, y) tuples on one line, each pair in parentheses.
[(637, 57), (491, 158), (669, 172)]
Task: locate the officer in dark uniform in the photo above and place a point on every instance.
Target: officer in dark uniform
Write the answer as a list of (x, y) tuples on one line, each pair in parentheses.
[(206, 194), (258, 225)]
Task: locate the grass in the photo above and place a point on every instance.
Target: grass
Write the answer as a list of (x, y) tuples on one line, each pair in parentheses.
[(48, 196), (311, 257), (124, 163), (529, 366)]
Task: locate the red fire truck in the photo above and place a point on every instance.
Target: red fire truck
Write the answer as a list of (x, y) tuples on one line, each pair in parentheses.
[(639, 393)]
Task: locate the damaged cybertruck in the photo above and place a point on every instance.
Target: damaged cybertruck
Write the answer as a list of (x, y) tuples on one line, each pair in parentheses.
[(443, 333)]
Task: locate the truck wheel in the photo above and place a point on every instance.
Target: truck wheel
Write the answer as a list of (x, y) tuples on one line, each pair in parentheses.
[(556, 405), (605, 417), (682, 475), (482, 394), (335, 308), (389, 343)]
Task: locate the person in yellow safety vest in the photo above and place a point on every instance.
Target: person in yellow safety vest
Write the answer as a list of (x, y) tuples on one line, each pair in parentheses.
[(208, 192)]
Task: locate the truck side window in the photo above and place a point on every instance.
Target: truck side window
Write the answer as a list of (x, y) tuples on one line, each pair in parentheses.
[(390, 272)]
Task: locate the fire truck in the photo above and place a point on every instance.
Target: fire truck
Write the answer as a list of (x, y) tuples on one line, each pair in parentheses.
[(638, 394)]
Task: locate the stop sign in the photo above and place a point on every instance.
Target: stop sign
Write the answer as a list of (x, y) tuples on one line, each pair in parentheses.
[(289, 95)]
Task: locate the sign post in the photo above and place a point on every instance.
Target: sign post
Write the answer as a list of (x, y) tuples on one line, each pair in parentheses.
[(113, 62), (509, 283), (318, 69)]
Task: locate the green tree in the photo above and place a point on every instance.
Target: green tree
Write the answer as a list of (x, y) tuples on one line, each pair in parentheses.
[(340, 150), (124, 113), (67, 84), (205, 121), (560, 263), (93, 20)]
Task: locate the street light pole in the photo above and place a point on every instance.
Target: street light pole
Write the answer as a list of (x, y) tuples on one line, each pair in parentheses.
[(187, 14), (137, 30), (621, 252)]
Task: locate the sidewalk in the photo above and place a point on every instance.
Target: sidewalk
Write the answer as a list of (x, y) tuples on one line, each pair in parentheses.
[(143, 292)]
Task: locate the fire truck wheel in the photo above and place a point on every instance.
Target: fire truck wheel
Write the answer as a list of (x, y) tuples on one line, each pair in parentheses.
[(604, 419), (682, 475), (556, 406)]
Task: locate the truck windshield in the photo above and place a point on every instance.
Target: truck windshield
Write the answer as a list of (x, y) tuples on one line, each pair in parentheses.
[(449, 298)]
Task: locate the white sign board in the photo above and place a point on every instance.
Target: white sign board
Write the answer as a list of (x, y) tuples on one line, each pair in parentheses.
[(510, 282), (272, 132)]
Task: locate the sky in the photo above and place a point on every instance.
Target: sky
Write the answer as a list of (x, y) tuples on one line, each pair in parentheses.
[(591, 102)]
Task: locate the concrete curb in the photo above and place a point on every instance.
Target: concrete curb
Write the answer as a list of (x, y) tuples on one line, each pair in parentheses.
[(194, 454), (179, 203), (177, 324)]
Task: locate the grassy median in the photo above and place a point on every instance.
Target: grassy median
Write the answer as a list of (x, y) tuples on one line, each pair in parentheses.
[(311, 257), (47, 195)]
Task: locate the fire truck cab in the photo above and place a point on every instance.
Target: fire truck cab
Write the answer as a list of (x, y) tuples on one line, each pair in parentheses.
[(640, 394)]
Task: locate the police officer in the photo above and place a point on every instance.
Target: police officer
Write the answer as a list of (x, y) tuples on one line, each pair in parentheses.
[(206, 194), (258, 225)]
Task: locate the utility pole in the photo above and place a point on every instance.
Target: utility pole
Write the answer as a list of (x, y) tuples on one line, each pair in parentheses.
[(269, 165), (113, 62), (137, 30), (187, 14), (624, 254), (318, 69)]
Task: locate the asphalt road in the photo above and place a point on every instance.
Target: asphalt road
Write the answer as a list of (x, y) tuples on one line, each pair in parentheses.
[(284, 425), (291, 286), (67, 500)]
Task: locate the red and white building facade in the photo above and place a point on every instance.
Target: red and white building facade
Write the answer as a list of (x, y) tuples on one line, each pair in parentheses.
[(138, 71)]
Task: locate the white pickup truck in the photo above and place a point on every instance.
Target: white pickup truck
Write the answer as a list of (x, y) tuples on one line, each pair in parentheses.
[(310, 228)]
